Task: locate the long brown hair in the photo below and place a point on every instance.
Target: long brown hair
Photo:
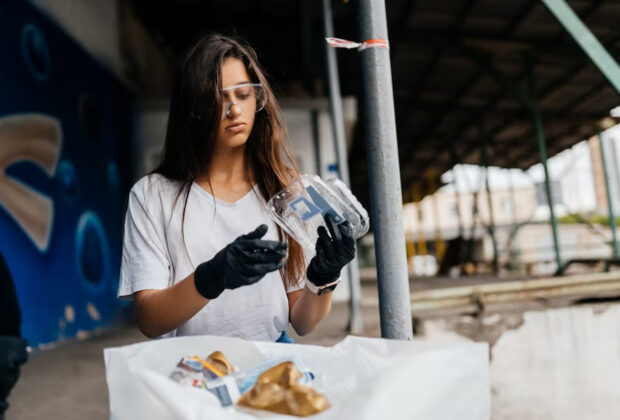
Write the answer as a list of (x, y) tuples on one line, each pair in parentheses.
[(195, 110)]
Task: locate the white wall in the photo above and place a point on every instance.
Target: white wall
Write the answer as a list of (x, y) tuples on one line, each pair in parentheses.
[(551, 364), (150, 119)]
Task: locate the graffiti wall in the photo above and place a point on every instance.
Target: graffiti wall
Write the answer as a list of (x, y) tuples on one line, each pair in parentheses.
[(64, 144)]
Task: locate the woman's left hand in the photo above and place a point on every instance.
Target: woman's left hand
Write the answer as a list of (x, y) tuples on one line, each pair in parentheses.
[(333, 252)]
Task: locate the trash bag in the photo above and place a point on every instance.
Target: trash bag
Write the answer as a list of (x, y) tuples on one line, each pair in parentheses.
[(363, 378)]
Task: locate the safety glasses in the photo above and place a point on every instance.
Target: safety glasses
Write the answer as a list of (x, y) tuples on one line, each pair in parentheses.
[(245, 96)]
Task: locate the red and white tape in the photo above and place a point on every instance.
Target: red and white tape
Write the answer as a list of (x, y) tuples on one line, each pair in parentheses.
[(371, 43)]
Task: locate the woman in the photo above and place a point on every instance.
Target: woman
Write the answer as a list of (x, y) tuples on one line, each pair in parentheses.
[(200, 254)]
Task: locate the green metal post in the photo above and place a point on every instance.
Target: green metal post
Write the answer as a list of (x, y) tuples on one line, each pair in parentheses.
[(542, 150), (610, 206)]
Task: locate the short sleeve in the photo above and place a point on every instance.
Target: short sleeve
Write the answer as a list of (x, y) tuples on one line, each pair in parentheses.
[(145, 263), (295, 286)]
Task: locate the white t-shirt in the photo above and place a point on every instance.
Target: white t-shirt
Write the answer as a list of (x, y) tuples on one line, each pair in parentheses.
[(156, 257)]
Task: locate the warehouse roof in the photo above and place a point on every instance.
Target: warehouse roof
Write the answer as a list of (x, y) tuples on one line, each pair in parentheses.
[(455, 65)]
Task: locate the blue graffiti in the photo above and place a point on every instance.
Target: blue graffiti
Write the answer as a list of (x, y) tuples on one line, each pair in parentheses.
[(65, 126), (36, 53), (91, 251)]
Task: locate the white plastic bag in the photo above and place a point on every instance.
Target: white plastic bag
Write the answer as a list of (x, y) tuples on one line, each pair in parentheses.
[(363, 378)]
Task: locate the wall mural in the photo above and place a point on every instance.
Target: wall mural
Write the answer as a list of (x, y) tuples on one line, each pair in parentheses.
[(64, 156)]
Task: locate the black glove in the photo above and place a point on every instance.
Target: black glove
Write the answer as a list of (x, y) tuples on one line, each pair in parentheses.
[(244, 261), (332, 253)]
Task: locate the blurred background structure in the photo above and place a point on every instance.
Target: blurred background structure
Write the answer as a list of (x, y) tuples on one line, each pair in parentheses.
[(508, 149)]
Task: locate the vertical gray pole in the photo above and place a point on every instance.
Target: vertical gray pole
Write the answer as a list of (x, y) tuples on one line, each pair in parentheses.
[(491, 219), (457, 194), (356, 325), (485, 162), (542, 150), (384, 176), (610, 206), (316, 141), (515, 220)]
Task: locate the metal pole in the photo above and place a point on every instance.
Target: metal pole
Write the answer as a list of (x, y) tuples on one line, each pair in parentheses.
[(515, 220), (485, 162), (610, 206), (335, 101), (542, 150), (316, 141), (491, 216), (384, 176), (417, 199), (457, 197), (440, 248), (356, 326)]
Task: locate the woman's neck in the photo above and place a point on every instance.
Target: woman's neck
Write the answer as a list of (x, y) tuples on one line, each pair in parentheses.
[(228, 177)]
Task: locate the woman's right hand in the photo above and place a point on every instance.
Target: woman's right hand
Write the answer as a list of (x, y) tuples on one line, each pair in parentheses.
[(244, 261)]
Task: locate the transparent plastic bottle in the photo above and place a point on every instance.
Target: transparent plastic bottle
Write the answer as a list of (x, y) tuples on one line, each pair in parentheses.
[(300, 209)]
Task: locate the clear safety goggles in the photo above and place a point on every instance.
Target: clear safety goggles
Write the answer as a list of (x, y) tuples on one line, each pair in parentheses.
[(245, 96)]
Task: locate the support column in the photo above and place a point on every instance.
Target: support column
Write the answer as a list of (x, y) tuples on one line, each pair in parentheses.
[(316, 140), (356, 326), (485, 163), (457, 196), (417, 198), (542, 150), (610, 206), (440, 248), (515, 220), (492, 224), (385, 188)]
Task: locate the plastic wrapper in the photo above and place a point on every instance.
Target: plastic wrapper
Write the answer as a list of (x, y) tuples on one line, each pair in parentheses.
[(211, 374), (217, 375), (363, 378), (279, 390), (246, 378)]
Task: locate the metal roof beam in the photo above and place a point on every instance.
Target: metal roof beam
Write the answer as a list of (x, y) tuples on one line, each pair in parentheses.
[(400, 27), (551, 89), (509, 29), (545, 94), (582, 98), (486, 65), (565, 112), (439, 115), (525, 11), (437, 38), (586, 40), (428, 71), (531, 150)]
